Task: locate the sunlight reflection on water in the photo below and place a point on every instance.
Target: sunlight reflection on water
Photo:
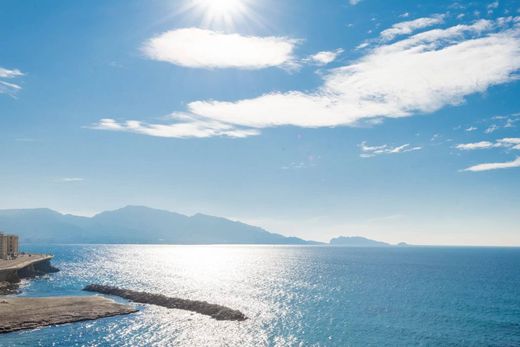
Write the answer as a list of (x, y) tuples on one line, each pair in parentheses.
[(293, 295)]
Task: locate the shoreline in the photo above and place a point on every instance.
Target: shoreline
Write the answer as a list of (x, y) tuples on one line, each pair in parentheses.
[(22, 313)]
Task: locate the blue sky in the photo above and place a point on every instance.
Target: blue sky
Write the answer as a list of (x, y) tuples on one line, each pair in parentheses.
[(398, 121)]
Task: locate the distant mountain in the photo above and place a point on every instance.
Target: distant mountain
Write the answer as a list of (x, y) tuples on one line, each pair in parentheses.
[(134, 224), (357, 241)]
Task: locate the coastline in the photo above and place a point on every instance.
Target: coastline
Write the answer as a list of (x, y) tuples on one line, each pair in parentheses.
[(20, 313)]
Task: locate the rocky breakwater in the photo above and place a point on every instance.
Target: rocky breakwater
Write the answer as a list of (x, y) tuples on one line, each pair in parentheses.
[(217, 312)]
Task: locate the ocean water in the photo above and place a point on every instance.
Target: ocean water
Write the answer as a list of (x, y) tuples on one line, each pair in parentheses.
[(293, 295)]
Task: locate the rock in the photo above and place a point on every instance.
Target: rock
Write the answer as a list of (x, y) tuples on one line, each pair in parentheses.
[(7, 288), (217, 312)]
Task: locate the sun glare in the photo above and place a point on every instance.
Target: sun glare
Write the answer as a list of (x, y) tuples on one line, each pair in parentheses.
[(221, 7), (220, 12)]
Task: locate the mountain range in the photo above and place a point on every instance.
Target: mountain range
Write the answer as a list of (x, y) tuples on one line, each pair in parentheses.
[(134, 224), (144, 225)]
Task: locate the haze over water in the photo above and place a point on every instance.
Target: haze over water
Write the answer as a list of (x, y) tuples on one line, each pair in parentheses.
[(293, 295)]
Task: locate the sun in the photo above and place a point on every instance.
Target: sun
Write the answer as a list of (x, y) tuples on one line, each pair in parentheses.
[(222, 8), (220, 12)]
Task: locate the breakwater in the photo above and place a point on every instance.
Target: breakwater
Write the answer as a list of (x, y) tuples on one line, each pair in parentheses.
[(215, 311)]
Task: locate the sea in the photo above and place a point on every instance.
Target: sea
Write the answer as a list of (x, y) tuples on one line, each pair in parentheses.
[(293, 295)]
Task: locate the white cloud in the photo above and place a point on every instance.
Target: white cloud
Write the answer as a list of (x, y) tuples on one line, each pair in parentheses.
[(187, 127), (6, 73), (354, 2), (9, 87), (471, 129), (371, 151), (409, 27), (475, 145), (491, 129), (493, 5), (396, 80), (513, 142), (421, 73), (494, 166), (324, 57), (201, 48), (508, 142), (72, 179)]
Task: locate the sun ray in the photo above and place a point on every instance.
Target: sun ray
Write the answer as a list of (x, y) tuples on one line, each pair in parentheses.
[(224, 14)]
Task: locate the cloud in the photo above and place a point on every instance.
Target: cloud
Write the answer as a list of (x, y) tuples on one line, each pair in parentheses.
[(491, 129), (9, 88), (188, 127), (201, 48), (418, 74), (354, 2), (409, 27), (513, 142), (6, 73), (471, 129), (371, 151), (324, 57), (493, 5), (494, 166), (71, 179), (509, 142), (476, 145)]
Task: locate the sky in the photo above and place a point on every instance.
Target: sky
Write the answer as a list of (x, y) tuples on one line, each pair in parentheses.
[(393, 120)]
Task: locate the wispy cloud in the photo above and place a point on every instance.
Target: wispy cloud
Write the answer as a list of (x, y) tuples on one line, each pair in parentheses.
[(371, 151), (324, 57), (475, 145), (201, 48), (420, 73), (184, 127), (409, 27), (491, 129), (494, 166), (9, 88), (354, 2), (493, 5), (71, 179), (509, 142), (469, 129)]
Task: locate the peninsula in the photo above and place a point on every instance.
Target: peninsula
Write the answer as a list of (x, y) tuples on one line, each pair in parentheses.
[(30, 313)]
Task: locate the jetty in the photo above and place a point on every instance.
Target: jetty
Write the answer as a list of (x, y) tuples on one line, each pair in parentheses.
[(215, 311)]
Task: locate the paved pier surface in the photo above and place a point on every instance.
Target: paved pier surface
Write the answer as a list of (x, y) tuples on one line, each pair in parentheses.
[(22, 261), (28, 313)]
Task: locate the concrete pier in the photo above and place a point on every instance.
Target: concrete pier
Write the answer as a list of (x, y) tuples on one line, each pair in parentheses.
[(24, 266)]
